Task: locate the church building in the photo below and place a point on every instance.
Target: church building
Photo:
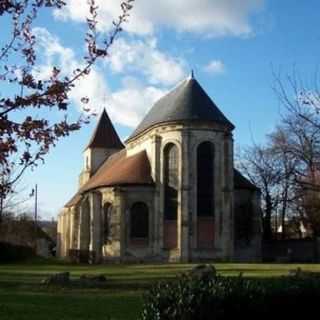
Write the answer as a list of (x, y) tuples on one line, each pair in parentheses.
[(169, 193)]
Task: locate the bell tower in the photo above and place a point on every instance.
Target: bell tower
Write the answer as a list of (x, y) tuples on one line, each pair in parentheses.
[(103, 143)]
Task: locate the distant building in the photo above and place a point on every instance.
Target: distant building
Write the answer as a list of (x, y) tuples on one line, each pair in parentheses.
[(294, 228), (171, 193)]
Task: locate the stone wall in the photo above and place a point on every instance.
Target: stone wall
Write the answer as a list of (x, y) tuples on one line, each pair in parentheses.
[(248, 227), (187, 138), (145, 250), (93, 158), (81, 228)]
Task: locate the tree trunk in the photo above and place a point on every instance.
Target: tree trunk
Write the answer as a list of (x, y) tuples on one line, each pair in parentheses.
[(283, 216), (1, 210), (267, 230)]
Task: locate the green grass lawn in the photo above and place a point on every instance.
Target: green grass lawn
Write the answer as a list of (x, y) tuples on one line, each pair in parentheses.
[(23, 297)]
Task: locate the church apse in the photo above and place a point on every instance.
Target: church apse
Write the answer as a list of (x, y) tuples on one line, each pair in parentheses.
[(167, 193)]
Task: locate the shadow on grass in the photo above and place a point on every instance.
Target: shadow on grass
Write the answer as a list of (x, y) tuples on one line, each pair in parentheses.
[(49, 306)]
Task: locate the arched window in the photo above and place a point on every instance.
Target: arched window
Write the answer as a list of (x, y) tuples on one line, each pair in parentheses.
[(171, 182), (75, 239), (107, 211), (205, 179), (85, 224), (139, 221)]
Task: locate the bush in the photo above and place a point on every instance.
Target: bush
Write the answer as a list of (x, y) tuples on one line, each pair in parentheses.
[(13, 253), (222, 298)]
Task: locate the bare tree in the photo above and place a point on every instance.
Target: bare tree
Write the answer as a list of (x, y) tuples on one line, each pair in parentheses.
[(286, 163), (260, 165), (287, 167), (299, 97), (301, 140)]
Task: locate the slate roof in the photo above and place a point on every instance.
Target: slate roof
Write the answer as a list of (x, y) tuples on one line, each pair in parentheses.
[(187, 102), (118, 170), (240, 182), (104, 135)]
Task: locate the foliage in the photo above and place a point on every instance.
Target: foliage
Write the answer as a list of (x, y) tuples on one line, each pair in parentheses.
[(223, 298), (24, 137)]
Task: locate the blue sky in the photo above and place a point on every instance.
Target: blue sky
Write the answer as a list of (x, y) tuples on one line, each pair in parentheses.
[(232, 45)]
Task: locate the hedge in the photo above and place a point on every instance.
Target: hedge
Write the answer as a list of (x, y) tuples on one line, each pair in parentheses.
[(12, 253), (222, 298)]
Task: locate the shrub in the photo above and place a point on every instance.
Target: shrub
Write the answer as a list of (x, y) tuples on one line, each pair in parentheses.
[(217, 298), (12, 253)]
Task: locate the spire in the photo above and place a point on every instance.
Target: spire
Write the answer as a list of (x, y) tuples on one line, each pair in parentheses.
[(105, 136), (191, 75)]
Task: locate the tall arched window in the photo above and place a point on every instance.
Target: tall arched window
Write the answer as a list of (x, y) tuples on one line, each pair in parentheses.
[(139, 221), (75, 239), (205, 179), (171, 182), (107, 211), (85, 225)]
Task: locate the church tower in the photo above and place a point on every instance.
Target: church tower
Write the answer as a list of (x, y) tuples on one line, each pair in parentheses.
[(103, 143)]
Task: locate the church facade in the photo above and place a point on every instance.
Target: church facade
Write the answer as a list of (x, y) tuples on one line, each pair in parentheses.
[(170, 193)]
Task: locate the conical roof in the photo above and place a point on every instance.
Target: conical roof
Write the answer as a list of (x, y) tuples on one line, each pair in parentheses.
[(105, 136), (187, 102)]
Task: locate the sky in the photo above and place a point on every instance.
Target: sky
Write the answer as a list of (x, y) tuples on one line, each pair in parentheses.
[(233, 46)]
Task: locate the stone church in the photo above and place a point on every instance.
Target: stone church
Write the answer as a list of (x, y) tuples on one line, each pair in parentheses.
[(168, 193)]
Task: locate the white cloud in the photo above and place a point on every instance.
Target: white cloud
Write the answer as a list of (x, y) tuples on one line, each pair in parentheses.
[(93, 86), (77, 10), (144, 57), (129, 104), (54, 53), (126, 105), (211, 17), (214, 67)]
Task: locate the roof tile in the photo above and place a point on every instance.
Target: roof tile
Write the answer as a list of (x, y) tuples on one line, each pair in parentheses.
[(118, 170)]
